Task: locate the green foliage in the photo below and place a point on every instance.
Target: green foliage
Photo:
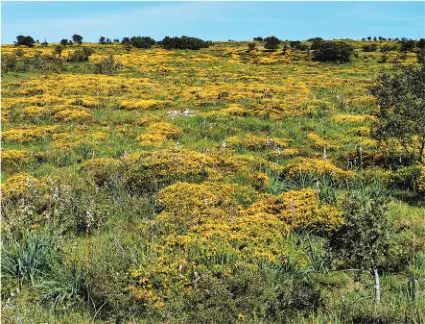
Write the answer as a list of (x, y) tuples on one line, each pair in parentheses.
[(370, 47), (24, 41), (401, 116), (80, 55), (271, 43), (67, 288), (365, 234), (332, 51), (29, 257), (407, 45), (142, 42), (107, 66), (77, 39), (298, 45), (64, 42), (184, 42)]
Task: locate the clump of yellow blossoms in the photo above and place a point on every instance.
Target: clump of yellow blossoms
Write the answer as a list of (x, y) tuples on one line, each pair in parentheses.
[(28, 133), (13, 158), (150, 170), (320, 143), (300, 210), (206, 224), (73, 114), (139, 104), (20, 186), (235, 110), (156, 134), (35, 111), (353, 119)]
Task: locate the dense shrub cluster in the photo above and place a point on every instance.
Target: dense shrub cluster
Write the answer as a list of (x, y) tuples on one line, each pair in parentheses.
[(332, 51), (184, 42)]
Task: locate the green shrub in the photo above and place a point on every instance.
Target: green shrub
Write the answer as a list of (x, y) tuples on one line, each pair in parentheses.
[(332, 51)]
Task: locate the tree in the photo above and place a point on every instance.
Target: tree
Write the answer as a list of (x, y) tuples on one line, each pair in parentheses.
[(64, 42), (363, 238), (78, 39), (125, 40), (102, 40), (401, 99), (332, 51), (258, 39), (184, 42), (142, 42), (24, 40), (271, 43)]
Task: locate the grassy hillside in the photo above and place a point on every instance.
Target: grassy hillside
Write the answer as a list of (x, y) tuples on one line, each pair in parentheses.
[(181, 186)]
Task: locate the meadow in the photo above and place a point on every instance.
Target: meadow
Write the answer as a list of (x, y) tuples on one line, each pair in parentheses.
[(183, 186)]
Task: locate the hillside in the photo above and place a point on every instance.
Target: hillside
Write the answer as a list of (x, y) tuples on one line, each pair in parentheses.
[(179, 186)]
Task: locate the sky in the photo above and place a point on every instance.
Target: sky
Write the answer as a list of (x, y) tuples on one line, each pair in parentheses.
[(211, 20)]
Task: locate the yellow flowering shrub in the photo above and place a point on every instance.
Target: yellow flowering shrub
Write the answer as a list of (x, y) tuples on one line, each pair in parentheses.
[(300, 210), (73, 115), (260, 180), (156, 134), (235, 110), (147, 120), (35, 111), (20, 186), (85, 101), (139, 104), (287, 152), (150, 170), (28, 134), (353, 119), (11, 159), (319, 143)]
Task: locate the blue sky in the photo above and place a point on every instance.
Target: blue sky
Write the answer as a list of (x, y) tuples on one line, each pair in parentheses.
[(212, 20)]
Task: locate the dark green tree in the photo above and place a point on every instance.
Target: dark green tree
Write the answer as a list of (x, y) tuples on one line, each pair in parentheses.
[(125, 40), (401, 99), (64, 42), (364, 237), (24, 41), (142, 42), (332, 51), (102, 40), (271, 43), (77, 39)]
